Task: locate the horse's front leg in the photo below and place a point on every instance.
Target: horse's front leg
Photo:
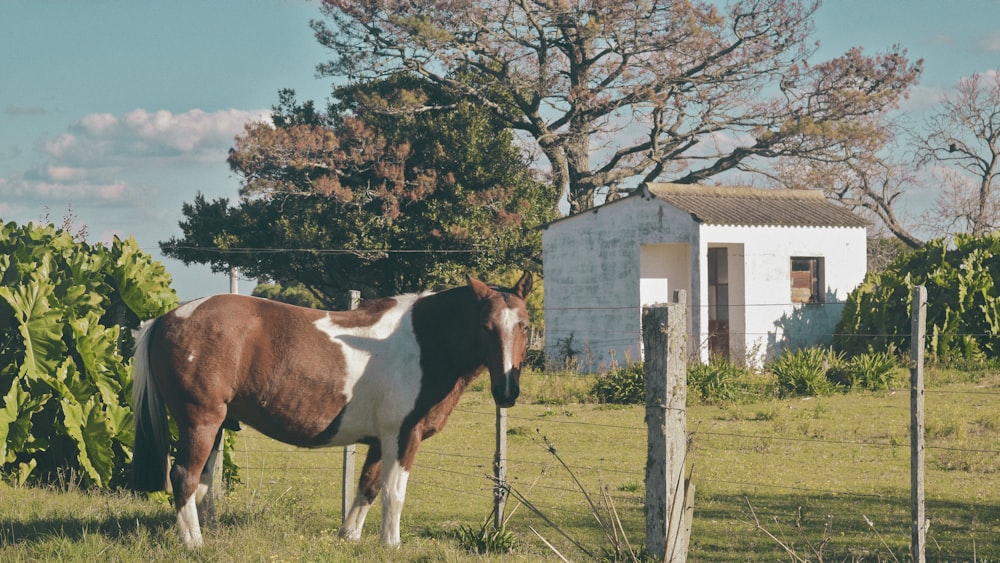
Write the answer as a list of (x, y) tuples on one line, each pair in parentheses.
[(394, 479), (368, 487), (396, 463)]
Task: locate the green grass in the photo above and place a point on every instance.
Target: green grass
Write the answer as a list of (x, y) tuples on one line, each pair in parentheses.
[(813, 471)]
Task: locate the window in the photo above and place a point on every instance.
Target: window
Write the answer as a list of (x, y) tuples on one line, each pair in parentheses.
[(807, 280)]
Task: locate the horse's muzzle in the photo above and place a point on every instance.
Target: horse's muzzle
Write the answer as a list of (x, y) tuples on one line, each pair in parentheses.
[(506, 395)]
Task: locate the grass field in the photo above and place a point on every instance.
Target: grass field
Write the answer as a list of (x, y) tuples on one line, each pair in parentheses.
[(812, 472)]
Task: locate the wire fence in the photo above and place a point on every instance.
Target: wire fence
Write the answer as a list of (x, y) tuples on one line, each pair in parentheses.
[(729, 491), (464, 472)]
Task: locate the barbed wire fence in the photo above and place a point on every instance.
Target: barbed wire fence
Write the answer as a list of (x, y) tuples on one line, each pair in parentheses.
[(466, 471)]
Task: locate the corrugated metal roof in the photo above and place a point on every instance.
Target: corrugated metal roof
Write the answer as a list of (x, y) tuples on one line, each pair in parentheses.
[(755, 207)]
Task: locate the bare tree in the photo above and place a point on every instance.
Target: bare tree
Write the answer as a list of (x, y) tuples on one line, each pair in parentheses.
[(620, 91), (862, 181), (962, 146)]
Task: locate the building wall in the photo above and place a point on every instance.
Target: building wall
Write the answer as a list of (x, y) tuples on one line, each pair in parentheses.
[(592, 269), (772, 323), (599, 269)]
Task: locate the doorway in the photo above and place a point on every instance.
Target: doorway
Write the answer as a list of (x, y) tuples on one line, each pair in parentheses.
[(718, 302)]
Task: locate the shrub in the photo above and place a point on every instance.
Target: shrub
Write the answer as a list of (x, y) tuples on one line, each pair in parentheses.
[(720, 380), (804, 371), (625, 385), (874, 371), (963, 301), (64, 351)]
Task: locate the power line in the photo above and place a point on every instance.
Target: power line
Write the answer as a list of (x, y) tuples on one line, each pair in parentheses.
[(328, 251)]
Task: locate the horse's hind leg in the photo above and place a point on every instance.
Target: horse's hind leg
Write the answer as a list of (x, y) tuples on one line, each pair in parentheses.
[(205, 495), (193, 450), (368, 487)]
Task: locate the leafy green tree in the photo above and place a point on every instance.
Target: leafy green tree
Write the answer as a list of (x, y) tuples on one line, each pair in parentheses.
[(963, 301), (357, 199), (64, 350)]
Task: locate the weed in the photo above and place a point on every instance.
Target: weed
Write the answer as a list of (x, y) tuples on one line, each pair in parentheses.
[(874, 371), (630, 487), (486, 538), (625, 385), (804, 371), (765, 415), (718, 381)]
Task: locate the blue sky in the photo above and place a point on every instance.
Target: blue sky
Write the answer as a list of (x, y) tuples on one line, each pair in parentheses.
[(124, 109)]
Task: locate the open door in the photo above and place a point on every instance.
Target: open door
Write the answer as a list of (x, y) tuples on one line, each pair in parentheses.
[(718, 302)]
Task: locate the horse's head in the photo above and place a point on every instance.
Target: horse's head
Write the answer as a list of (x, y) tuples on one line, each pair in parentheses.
[(503, 326)]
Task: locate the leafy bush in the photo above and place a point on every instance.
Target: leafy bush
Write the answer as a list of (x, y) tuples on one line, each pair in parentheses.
[(874, 371), (963, 301), (64, 355), (625, 385), (718, 381), (804, 371)]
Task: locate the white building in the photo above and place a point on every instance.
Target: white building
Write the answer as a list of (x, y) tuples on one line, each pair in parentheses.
[(763, 270)]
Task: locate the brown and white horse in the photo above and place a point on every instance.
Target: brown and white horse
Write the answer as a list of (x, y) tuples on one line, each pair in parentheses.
[(387, 375)]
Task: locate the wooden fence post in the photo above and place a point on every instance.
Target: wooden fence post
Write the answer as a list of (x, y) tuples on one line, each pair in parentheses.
[(500, 470), (350, 452), (665, 354), (918, 333)]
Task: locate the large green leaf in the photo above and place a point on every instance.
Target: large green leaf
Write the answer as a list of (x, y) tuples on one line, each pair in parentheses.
[(143, 283), (88, 425), (15, 422), (38, 323), (97, 347)]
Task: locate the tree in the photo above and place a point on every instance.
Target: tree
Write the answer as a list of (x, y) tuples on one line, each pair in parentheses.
[(865, 181), (65, 308), (350, 199), (962, 144), (614, 92)]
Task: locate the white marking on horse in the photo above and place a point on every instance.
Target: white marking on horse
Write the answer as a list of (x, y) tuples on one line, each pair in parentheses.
[(508, 323), (393, 496), (389, 376), (187, 523), (187, 309)]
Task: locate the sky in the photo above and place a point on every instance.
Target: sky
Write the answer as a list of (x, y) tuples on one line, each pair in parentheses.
[(117, 112)]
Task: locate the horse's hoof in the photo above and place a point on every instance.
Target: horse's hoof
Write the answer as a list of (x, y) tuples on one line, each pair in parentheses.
[(349, 534)]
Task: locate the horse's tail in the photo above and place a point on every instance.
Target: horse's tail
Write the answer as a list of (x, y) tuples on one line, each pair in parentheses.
[(152, 435)]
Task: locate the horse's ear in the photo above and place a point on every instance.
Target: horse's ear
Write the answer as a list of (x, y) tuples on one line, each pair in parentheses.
[(524, 285), (481, 290)]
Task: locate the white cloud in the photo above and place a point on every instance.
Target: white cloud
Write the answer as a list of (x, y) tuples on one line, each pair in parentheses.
[(149, 137), (990, 43), (105, 159), (921, 98)]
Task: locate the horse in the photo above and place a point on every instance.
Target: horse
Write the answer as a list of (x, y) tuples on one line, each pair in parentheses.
[(387, 375)]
